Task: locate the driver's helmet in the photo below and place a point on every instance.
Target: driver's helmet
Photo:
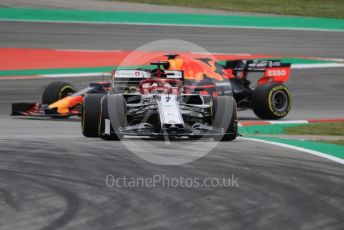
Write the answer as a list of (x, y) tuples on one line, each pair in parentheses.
[(158, 73)]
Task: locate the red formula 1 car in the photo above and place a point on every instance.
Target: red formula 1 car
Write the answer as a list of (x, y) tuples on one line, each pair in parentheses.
[(269, 99)]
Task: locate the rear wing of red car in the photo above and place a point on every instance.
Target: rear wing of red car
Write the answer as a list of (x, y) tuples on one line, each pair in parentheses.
[(274, 70)]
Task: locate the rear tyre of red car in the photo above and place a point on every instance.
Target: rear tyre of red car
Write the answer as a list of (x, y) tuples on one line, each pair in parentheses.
[(57, 90), (117, 118), (90, 114), (224, 115), (271, 101)]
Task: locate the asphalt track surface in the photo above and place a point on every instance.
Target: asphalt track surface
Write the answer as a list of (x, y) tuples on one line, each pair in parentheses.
[(125, 37), (53, 178)]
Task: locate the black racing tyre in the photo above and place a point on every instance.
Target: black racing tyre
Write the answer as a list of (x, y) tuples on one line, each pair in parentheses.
[(55, 91), (118, 106), (271, 101), (90, 114), (224, 115)]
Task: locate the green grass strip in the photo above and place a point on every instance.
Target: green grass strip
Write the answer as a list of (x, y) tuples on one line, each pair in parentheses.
[(170, 18), (335, 142), (319, 128), (330, 149), (266, 129), (315, 8)]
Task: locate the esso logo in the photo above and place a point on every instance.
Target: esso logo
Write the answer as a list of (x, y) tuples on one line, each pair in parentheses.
[(276, 72)]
